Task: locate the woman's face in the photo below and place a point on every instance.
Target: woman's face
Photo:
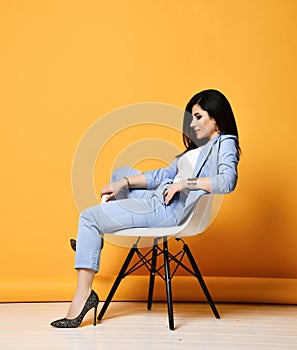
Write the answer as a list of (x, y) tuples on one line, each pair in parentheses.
[(204, 126)]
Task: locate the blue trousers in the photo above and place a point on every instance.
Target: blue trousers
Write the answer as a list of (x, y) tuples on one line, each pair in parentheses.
[(131, 208)]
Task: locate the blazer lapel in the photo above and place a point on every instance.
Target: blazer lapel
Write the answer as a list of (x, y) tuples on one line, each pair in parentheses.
[(203, 155)]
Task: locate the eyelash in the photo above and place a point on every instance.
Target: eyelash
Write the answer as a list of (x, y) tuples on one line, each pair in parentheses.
[(198, 117)]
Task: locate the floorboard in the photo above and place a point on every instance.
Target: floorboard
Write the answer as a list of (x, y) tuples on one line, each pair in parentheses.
[(128, 325)]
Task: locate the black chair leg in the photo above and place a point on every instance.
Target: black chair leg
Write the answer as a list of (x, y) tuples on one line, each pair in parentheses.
[(201, 280), (168, 284), (121, 275), (152, 274)]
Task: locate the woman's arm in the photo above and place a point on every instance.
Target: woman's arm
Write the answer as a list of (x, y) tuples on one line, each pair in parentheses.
[(149, 179), (202, 183), (155, 177), (226, 178), (223, 182), (113, 188)]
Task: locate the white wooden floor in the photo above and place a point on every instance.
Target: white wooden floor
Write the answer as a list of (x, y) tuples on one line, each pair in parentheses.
[(128, 325)]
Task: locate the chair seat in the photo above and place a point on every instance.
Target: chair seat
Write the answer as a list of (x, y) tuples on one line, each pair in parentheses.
[(197, 221)]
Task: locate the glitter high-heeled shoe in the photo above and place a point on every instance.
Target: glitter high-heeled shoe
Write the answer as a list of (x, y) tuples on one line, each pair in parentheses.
[(92, 302), (73, 244)]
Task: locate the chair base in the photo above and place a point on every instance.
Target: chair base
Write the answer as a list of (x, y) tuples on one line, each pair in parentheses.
[(149, 260)]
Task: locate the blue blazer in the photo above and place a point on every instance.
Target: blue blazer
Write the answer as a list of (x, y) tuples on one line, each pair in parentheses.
[(218, 160)]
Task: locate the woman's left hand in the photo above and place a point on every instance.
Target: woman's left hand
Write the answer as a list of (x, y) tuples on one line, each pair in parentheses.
[(173, 189), (113, 188)]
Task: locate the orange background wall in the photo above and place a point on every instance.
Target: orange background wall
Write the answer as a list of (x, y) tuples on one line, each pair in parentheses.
[(64, 64)]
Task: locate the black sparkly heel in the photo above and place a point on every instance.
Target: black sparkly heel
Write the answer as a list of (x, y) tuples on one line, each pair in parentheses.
[(92, 302), (73, 244)]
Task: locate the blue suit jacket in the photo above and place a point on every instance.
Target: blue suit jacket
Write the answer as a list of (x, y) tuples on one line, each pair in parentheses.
[(218, 160)]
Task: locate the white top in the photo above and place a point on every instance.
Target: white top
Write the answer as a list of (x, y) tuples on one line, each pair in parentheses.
[(186, 164)]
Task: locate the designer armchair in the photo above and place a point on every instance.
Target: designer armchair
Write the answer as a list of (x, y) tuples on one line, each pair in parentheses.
[(199, 219)]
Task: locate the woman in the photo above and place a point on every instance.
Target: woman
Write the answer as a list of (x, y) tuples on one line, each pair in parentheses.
[(161, 197)]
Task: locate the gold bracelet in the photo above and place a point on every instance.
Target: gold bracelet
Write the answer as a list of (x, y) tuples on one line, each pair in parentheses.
[(128, 183), (192, 184)]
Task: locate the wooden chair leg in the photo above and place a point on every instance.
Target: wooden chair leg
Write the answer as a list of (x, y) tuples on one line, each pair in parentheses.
[(152, 274), (201, 280), (168, 284), (121, 275)]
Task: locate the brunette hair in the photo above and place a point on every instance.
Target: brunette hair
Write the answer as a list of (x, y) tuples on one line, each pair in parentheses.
[(218, 107)]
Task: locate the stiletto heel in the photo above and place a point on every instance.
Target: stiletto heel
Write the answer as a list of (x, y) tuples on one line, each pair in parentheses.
[(92, 302), (95, 315)]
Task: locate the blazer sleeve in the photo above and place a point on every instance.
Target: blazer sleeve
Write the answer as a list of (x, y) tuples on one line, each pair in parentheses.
[(155, 177), (226, 178)]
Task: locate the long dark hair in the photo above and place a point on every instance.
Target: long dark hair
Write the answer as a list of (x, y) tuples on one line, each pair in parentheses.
[(218, 107)]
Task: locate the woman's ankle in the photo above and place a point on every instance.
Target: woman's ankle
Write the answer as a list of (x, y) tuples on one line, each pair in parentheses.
[(78, 303)]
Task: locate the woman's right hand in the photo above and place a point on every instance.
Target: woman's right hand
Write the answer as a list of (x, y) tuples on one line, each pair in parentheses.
[(113, 188)]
